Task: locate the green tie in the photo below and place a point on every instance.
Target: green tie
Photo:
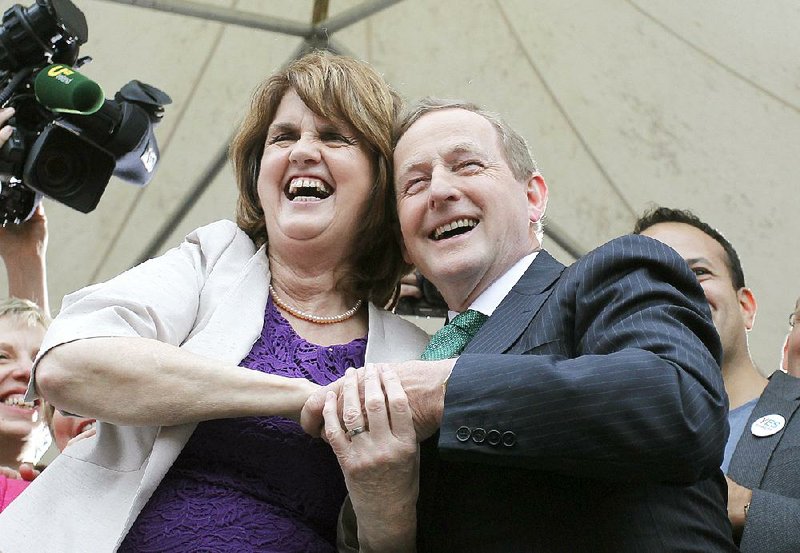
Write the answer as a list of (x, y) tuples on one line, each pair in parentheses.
[(452, 338)]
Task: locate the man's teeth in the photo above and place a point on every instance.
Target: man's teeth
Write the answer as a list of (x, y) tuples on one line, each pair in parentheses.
[(449, 228), (17, 401), (304, 190)]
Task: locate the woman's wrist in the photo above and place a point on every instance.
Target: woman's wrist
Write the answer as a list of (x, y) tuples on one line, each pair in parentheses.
[(297, 391)]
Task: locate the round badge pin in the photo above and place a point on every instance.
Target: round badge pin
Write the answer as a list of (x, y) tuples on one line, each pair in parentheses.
[(768, 425)]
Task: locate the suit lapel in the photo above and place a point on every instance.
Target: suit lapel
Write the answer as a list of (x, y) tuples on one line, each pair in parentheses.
[(751, 457), (499, 332), (518, 308)]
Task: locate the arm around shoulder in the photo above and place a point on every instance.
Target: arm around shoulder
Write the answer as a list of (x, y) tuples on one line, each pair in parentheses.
[(618, 377)]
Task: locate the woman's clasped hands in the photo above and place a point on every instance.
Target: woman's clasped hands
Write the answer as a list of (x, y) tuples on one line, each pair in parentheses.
[(377, 448)]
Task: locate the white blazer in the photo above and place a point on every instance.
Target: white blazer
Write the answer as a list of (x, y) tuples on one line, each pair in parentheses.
[(207, 296)]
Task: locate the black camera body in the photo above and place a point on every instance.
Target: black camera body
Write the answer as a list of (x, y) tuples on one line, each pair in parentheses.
[(62, 152), (429, 304)]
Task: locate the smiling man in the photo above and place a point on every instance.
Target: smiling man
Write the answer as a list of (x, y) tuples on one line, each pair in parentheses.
[(588, 412), (715, 263)]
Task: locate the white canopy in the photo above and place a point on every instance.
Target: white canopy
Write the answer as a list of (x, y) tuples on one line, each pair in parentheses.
[(626, 104)]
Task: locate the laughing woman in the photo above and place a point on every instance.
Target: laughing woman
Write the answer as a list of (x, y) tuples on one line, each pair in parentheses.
[(198, 362)]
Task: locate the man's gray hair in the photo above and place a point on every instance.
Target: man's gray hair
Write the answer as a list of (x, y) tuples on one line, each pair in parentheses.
[(515, 148)]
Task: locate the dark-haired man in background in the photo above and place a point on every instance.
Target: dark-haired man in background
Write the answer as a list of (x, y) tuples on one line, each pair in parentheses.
[(761, 455), (715, 263)]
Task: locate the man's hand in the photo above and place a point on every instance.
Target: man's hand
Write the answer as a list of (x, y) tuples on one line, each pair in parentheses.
[(738, 497), (424, 385), (410, 287)]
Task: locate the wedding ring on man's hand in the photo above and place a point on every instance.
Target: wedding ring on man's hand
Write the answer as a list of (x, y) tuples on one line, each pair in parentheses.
[(356, 431)]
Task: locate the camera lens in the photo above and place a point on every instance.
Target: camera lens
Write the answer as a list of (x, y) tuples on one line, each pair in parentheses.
[(68, 168), (61, 171)]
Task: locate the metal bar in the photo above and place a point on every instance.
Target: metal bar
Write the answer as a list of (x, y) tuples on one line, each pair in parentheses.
[(320, 12), (353, 15), (338, 48), (191, 198), (320, 43), (564, 241), (224, 15)]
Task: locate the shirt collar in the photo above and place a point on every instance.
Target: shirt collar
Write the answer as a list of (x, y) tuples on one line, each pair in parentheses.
[(490, 298)]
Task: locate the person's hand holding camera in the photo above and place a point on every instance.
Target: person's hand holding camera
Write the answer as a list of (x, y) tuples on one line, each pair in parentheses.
[(23, 246), (5, 132)]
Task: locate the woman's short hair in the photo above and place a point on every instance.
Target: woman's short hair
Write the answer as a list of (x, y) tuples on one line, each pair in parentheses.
[(24, 311), (342, 89)]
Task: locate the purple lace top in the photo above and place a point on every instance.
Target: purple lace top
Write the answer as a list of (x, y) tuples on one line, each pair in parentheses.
[(254, 483)]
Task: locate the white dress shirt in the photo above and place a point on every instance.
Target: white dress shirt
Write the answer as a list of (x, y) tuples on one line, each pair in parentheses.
[(490, 298)]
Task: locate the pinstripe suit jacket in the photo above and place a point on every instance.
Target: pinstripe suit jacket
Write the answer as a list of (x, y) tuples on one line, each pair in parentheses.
[(770, 466), (588, 414)]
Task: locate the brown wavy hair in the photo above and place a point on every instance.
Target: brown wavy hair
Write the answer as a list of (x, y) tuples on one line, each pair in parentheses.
[(347, 90)]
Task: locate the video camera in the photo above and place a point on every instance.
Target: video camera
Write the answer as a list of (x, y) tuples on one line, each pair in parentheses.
[(429, 304), (68, 139)]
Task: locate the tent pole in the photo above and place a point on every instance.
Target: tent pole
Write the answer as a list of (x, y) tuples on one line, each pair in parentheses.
[(224, 15)]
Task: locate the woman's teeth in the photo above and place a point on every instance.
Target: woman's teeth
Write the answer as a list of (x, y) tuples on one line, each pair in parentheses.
[(306, 190)]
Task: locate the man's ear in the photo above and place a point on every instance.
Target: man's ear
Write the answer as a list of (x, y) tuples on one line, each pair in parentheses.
[(785, 355), (748, 306), (536, 190)]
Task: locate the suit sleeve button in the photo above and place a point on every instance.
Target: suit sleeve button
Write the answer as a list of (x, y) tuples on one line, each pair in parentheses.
[(509, 439), (493, 437), (478, 435), (463, 433)]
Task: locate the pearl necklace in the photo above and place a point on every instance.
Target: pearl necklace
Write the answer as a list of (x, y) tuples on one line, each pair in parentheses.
[(313, 318)]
